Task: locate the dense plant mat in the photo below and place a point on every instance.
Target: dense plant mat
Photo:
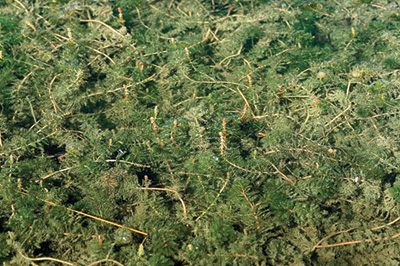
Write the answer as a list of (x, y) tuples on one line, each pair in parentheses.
[(216, 132)]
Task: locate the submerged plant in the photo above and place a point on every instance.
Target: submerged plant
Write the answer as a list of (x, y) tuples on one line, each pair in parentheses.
[(205, 132)]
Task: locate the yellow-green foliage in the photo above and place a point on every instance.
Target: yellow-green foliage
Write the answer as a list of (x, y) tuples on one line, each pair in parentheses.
[(138, 132)]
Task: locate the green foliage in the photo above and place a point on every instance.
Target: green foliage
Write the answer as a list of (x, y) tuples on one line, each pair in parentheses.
[(199, 133)]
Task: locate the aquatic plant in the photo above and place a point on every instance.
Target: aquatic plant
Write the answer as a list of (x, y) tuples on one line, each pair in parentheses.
[(199, 132)]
